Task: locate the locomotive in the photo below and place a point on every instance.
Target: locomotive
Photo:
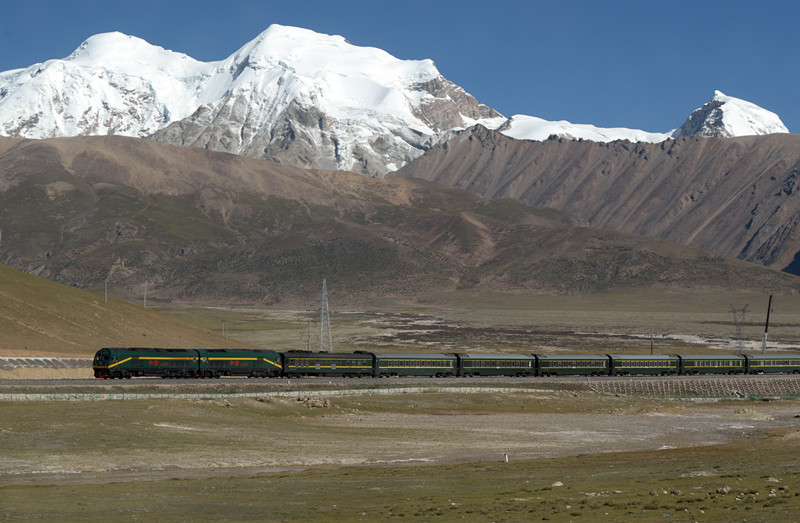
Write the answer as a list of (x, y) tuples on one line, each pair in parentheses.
[(111, 363)]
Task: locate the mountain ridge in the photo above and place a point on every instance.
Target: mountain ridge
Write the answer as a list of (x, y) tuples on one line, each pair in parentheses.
[(201, 226), (291, 95), (728, 195)]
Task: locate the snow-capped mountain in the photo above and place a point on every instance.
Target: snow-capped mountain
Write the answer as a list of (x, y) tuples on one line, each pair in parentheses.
[(111, 84), (726, 117), (292, 95), (723, 117)]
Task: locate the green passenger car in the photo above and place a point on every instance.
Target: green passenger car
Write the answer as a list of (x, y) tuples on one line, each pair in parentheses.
[(126, 363), (239, 362), (305, 363), (659, 364), (496, 364), (773, 363), (572, 365), (712, 364), (410, 364)]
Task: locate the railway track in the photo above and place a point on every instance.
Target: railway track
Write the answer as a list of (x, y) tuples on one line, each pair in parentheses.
[(711, 386)]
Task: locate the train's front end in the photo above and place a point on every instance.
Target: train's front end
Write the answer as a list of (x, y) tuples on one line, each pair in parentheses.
[(100, 363)]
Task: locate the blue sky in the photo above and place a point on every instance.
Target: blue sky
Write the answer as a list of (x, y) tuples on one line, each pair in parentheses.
[(636, 64)]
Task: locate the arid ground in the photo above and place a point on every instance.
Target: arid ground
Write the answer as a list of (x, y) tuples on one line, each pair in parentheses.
[(572, 454)]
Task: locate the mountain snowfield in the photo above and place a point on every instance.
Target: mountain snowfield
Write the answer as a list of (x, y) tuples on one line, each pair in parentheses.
[(723, 117), (292, 95)]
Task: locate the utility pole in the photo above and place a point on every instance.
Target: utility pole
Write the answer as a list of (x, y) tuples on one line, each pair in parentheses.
[(766, 326), (325, 342)]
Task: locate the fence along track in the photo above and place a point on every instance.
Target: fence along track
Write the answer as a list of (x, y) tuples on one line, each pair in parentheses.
[(45, 363), (702, 388)]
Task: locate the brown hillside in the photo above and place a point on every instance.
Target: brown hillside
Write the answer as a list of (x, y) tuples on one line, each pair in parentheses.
[(42, 318), (735, 196), (195, 225)]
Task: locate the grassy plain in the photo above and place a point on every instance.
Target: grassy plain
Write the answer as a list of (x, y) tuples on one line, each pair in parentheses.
[(573, 455), (431, 456)]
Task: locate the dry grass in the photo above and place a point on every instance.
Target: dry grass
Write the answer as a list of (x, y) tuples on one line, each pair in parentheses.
[(247, 460)]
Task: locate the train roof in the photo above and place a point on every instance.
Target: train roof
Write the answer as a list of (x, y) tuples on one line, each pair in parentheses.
[(712, 356), (146, 349), (413, 355), (643, 357), (773, 356), (487, 356), (572, 356), (245, 351), (309, 354)]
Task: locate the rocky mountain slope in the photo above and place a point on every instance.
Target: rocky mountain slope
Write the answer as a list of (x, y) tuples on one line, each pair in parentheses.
[(736, 196), (198, 225)]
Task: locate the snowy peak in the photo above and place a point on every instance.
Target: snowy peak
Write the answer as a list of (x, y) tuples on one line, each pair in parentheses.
[(133, 56), (723, 117), (726, 117), (346, 81), (311, 54), (292, 95)]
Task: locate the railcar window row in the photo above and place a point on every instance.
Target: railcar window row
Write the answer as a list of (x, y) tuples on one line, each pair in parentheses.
[(315, 363), (646, 364), (777, 362), (445, 364), (575, 363), (501, 363), (714, 363)]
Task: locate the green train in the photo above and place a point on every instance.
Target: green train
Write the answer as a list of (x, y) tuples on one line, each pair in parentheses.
[(111, 363), (186, 363)]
